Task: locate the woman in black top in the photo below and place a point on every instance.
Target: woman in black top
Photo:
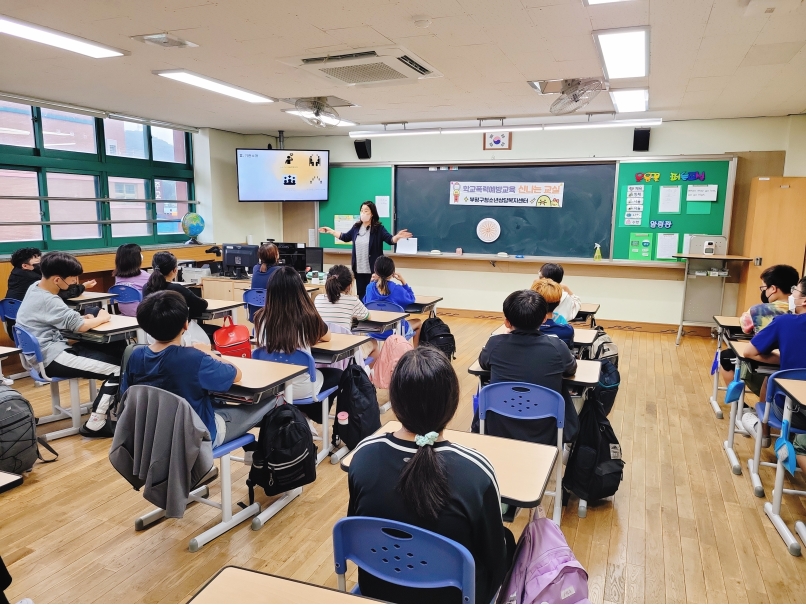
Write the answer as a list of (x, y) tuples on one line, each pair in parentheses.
[(417, 477), (368, 237)]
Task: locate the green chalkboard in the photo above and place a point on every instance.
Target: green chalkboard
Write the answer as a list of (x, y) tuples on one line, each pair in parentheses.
[(350, 186), (647, 181)]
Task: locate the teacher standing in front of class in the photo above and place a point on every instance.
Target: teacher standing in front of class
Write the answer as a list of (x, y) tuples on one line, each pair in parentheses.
[(368, 237)]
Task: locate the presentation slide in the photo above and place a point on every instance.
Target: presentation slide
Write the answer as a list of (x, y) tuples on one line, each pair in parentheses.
[(282, 175)]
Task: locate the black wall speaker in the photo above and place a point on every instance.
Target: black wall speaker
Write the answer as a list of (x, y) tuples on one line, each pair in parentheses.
[(640, 139), (363, 148)]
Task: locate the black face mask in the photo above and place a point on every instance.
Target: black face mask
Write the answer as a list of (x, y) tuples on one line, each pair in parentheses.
[(764, 298), (37, 269)]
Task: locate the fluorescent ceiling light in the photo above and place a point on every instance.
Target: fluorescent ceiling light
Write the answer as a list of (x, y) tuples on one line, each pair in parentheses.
[(632, 100), (360, 134), (14, 131), (51, 37), (188, 77), (325, 119), (624, 52), (592, 2)]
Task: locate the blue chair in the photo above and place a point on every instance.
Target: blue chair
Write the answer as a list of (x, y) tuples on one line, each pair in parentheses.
[(8, 311), (382, 305), (774, 398), (126, 294), (31, 350), (524, 401), (255, 299), (402, 554), (303, 358)]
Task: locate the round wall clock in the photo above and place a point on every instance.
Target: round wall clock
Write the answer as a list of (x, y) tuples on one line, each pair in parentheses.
[(488, 230)]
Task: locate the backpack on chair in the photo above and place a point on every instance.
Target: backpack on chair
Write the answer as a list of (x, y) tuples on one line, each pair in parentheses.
[(436, 333), (392, 350), (18, 441), (357, 397), (603, 348)]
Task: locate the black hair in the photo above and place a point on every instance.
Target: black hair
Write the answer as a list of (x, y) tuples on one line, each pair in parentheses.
[(782, 277), (339, 278), (375, 222), (384, 269), (553, 271), (23, 255), (128, 260), (525, 309), (268, 254), (424, 392), (163, 263), (163, 315), (60, 263)]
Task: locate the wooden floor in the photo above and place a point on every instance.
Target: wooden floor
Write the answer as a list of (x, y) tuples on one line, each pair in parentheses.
[(682, 527)]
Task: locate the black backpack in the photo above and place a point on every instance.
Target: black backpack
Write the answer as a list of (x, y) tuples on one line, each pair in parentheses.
[(357, 397), (436, 333), (285, 456), (18, 441), (605, 392), (595, 467)]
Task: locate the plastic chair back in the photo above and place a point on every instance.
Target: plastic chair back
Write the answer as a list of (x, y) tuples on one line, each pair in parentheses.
[(384, 305), (126, 294), (255, 299), (775, 395), (9, 308), (403, 554), (297, 358), (523, 401), (29, 346)]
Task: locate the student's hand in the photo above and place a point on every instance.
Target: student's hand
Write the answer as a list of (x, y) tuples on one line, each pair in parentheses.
[(89, 284), (103, 315), (567, 289), (374, 277), (399, 278)]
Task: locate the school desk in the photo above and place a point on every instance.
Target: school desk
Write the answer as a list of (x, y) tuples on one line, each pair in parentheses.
[(8, 352), (521, 467), (261, 379), (587, 374), (587, 312), (340, 346), (238, 585), (220, 308), (582, 337), (737, 407), (795, 391), (88, 299), (726, 328), (381, 321), (423, 304), (119, 327)]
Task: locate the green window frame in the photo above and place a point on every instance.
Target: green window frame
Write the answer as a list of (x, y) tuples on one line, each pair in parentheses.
[(101, 166)]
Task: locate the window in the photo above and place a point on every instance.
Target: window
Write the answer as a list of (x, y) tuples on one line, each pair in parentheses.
[(129, 189), (68, 186), (125, 139), (170, 190), (68, 131), (14, 183), (16, 125), (168, 145)]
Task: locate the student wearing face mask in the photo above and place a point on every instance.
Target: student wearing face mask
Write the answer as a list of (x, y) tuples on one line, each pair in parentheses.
[(44, 315), (368, 237)]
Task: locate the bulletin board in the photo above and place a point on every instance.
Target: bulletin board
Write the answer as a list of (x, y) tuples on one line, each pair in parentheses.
[(657, 200), (350, 186)]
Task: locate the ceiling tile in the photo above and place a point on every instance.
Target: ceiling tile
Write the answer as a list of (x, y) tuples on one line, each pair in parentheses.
[(772, 54)]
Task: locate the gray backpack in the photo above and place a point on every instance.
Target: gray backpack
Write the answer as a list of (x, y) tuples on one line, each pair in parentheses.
[(18, 441), (603, 348)]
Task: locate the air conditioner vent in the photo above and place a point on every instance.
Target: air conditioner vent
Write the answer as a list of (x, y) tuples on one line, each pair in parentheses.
[(363, 74), (342, 57), (414, 65)]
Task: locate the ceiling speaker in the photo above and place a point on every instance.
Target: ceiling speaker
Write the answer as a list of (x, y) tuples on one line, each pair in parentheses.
[(640, 139), (363, 148)]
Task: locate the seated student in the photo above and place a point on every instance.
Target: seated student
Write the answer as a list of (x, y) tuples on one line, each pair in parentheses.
[(268, 255), (416, 476), (340, 306), (527, 355), (787, 334), (382, 288), (162, 278), (554, 325), (289, 322), (190, 372), (44, 315), (569, 304), (128, 272), (27, 272)]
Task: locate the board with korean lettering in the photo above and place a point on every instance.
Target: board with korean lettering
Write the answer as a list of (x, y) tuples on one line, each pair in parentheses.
[(533, 210), (659, 203)]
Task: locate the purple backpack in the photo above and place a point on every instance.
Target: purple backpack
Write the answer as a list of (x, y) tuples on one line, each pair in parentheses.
[(544, 569)]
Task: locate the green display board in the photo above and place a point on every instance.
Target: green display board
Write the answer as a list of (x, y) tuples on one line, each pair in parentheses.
[(659, 199), (350, 186)]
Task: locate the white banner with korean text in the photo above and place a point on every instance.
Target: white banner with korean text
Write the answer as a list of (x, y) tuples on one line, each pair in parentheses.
[(534, 195)]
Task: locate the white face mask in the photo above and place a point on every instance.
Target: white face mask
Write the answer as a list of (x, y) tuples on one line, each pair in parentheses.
[(791, 303)]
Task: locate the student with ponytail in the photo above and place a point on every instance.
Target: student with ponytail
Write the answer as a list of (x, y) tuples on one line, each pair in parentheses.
[(417, 477), (388, 285), (340, 306)]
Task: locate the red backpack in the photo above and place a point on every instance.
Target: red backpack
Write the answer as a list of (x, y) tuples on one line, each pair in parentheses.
[(232, 339)]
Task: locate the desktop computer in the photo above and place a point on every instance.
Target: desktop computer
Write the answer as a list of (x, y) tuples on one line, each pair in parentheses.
[(239, 259), (315, 259), (293, 255)]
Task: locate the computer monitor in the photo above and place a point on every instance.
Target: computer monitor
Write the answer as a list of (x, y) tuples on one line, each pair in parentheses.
[(239, 260), (293, 255), (315, 259)]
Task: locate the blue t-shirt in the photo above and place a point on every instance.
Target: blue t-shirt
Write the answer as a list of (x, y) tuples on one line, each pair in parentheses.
[(401, 295), (787, 333), (183, 371), (562, 331), (260, 278)]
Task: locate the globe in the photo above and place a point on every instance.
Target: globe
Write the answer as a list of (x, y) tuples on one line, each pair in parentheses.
[(192, 225)]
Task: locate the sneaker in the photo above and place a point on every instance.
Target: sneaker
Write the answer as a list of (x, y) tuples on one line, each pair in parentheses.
[(311, 426), (566, 453), (7, 382), (97, 427), (750, 423), (766, 442)]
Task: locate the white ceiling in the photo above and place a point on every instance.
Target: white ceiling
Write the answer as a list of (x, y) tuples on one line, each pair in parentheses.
[(707, 59)]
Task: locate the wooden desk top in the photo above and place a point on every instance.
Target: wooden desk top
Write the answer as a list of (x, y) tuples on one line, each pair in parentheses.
[(740, 346), (312, 288), (581, 335), (117, 323), (713, 257), (426, 300), (214, 305), (724, 321), (383, 317), (339, 343), (509, 458), (587, 373), (796, 389), (259, 375), (589, 308), (92, 297), (7, 351), (239, 585)]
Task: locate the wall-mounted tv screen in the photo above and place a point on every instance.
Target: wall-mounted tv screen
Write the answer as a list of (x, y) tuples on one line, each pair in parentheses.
[(282, 175)]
